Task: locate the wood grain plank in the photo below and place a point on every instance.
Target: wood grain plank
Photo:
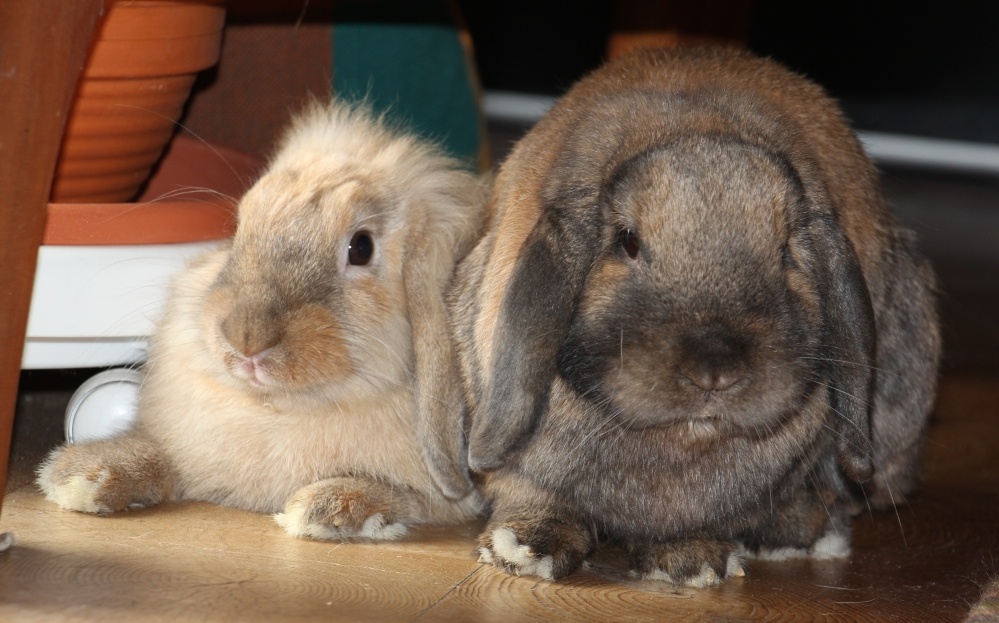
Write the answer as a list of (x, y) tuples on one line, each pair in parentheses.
[(877, 584), (171, 561), (176, 560)]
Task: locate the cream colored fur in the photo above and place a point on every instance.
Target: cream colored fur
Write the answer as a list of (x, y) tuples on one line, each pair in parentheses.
[(343, 400)]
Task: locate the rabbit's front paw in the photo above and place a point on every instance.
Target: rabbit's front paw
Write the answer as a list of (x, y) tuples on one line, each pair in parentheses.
[(694, 563), (106, 476), (547, 547), (342, 508)]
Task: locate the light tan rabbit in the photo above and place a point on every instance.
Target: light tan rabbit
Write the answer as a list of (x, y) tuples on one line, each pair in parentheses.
[(693, 326), (306, 369)]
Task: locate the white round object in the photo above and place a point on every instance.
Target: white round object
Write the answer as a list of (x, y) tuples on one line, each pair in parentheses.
[(103, 406)]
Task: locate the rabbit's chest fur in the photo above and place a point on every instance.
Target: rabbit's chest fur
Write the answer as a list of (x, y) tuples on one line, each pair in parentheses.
[(668, 482), (237, 451), (235, 447)]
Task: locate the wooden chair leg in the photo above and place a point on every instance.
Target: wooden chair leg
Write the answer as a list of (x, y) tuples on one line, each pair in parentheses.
[(43, 47)]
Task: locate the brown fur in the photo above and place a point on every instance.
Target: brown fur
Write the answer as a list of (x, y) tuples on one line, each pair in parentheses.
[(737, 376), (347, 502), (683, 559), (986, 610), (126, 471), (285, 379)]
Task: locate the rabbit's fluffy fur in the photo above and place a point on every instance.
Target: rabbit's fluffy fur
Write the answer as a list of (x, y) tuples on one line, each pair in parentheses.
[(292, 375), (692, 328)]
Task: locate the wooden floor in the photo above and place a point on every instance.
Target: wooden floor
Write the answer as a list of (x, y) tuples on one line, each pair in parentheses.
[(929, 562)]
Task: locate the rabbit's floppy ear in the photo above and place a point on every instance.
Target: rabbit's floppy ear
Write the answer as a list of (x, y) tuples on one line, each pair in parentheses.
[(849, 343), (534, 318), (438, 395)]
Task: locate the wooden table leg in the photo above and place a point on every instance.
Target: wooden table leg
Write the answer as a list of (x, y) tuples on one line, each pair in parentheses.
[(43, 47)]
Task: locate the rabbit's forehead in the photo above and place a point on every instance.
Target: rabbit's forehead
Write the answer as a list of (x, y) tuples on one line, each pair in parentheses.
[(334, 200), (350, 202), (720, 195)]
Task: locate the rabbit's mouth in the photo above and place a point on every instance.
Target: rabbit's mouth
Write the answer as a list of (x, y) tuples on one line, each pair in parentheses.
[(715, 405), (702, 428), (252, 370), (254, 381)]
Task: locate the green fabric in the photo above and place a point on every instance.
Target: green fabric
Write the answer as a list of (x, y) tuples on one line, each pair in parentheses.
[(406, 59)]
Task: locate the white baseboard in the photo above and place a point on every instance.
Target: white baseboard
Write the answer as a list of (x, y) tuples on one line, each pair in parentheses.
[(884, 148)]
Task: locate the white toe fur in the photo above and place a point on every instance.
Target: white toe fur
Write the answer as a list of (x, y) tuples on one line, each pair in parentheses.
[(76, 494), (522, 559), (486, 556), (780, 554), (374, 527), (707, 576), (734, 567), (832, 545)]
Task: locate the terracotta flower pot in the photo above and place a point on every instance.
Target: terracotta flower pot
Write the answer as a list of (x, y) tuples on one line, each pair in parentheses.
[(132, 91), (191, 197)]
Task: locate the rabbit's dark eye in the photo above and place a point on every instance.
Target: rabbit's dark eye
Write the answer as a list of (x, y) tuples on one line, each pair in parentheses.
[(362, 247), (628, 240)]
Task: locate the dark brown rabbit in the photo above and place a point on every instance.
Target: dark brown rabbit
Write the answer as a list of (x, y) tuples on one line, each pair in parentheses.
[(693, 328)]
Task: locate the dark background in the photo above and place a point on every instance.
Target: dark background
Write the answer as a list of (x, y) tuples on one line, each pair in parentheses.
[(929, 69)]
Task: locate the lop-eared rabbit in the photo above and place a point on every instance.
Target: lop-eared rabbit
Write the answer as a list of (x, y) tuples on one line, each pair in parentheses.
[(305, 368), (693, 327)]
